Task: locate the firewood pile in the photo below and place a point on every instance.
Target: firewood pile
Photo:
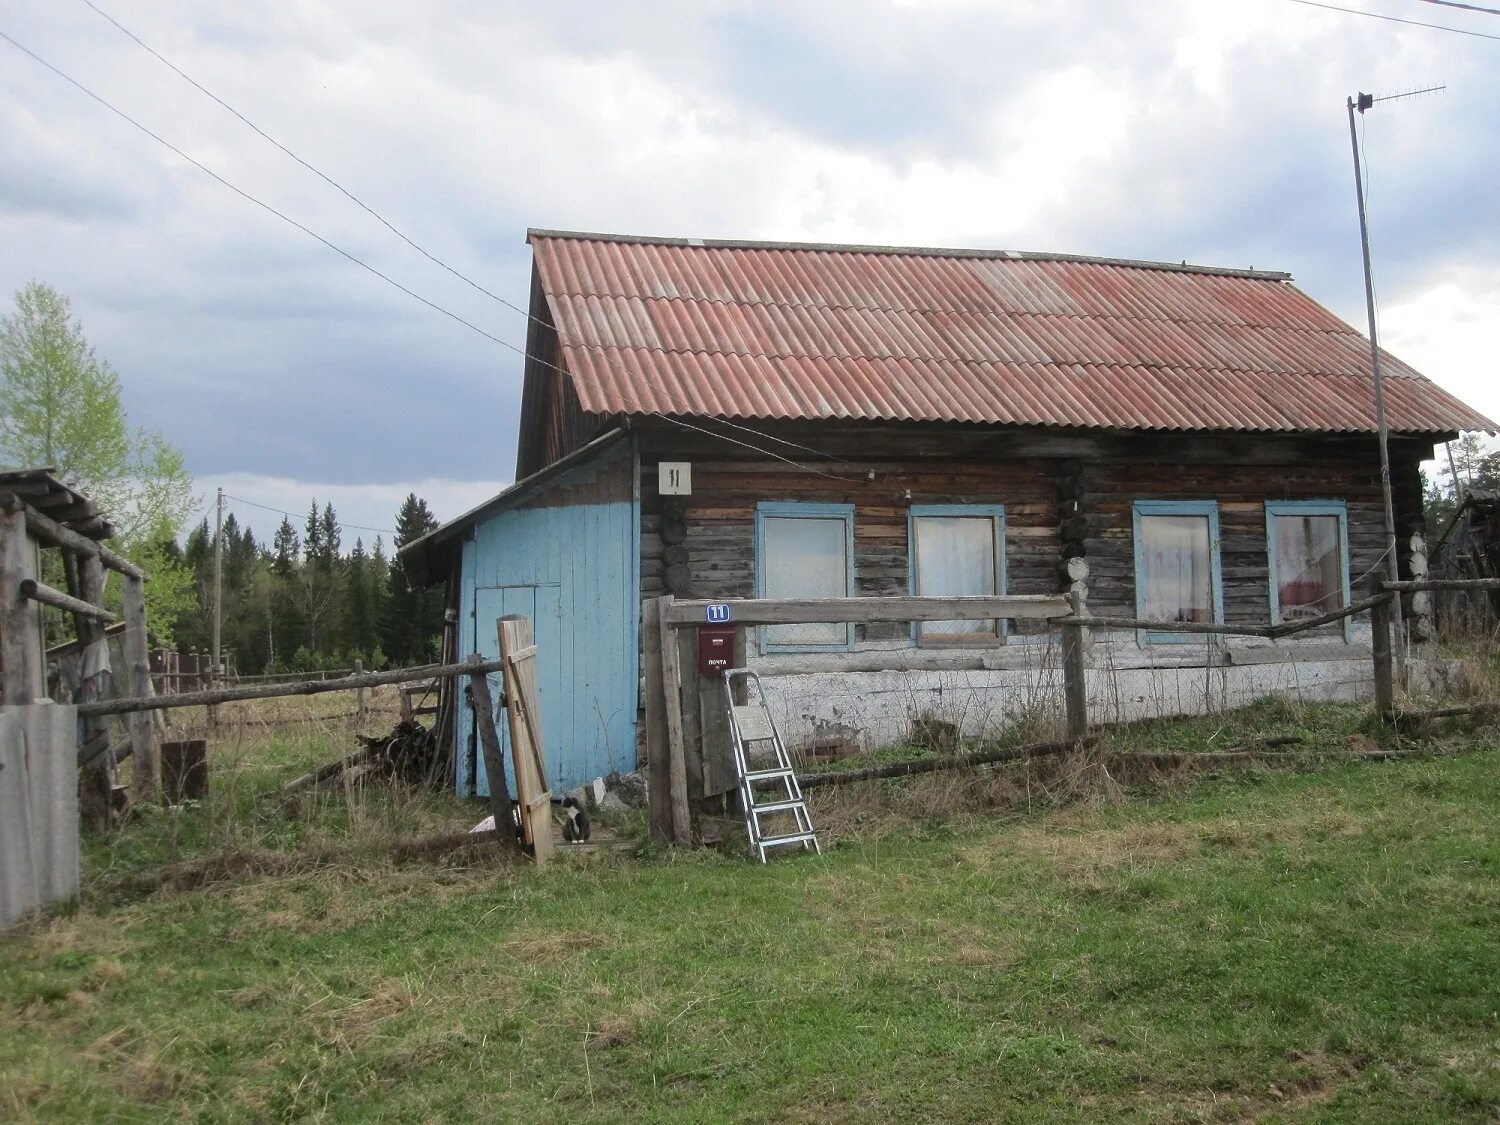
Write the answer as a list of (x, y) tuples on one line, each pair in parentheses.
[(408, 754)]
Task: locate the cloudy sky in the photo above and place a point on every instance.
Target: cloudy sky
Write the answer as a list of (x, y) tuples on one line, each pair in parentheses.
[(1163, 129)]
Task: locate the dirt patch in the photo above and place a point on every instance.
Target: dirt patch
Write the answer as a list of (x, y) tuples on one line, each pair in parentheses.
[(550, 948), (450, 850), (1131, 848), (611, 1031), (388, 1001)]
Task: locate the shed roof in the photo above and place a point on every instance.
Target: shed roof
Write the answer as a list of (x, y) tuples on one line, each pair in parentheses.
[(60, 502), (418, 555), (765, 330)]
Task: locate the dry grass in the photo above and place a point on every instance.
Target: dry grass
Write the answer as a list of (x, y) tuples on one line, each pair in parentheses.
[(1004, 943)]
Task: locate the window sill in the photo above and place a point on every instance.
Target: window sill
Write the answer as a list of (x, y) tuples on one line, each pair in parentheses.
[(961, 640)]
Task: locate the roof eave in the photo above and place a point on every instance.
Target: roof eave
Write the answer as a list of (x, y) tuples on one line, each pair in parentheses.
[(416, 556)]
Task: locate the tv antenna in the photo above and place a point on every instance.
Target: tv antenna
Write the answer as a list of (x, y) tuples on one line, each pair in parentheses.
[(1363, 102)]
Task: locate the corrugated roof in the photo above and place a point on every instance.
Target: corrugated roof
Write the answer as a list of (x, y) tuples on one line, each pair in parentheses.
[(798, 331)]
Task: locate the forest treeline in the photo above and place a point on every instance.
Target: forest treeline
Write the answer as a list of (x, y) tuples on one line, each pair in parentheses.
[(305, 601)]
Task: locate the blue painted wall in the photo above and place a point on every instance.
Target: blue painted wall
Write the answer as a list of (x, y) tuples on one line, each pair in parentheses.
[(568, 557)]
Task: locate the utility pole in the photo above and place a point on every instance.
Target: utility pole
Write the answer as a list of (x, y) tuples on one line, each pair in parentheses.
[(218, 579), (1363, 102)]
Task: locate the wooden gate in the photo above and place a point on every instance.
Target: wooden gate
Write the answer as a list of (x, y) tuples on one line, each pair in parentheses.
[(524, 712)]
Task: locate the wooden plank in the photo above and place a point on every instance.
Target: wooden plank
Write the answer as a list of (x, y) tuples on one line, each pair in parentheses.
[(1380, 650), (718, 755), (692, 709), (51, 733), (46, 595), (96, 785), (935, 765), (1204, 628), (1291, 628), (57, 535), (1445, 584), (682, 832), (658, 780), (523, 706), (18, 633), (144, 770), (18, 878), (276, 691), (489, 742), (766, 611), (1075, 674)]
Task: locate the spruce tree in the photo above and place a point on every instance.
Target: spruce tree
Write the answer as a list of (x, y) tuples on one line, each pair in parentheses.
[(286, 547), (284, 628), (332, 535), (312, 541), (412, 625), (360, 620)]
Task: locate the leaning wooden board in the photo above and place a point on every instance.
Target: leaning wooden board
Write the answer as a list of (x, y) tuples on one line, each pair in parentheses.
[(524, 711)]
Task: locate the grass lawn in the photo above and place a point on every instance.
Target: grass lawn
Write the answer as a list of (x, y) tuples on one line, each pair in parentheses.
[(1320, 945)]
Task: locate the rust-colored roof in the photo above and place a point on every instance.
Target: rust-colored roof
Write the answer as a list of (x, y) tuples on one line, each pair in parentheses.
[(773, 330)]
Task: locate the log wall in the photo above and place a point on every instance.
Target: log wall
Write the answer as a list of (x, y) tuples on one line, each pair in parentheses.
[(1065, 494)]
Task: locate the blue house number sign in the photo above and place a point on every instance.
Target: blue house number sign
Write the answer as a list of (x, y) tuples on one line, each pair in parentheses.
[(717, 614)]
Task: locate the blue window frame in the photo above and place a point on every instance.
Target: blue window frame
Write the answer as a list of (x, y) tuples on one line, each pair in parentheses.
[(1307, 549), (804, 550), (956, 549), (1177, 571)]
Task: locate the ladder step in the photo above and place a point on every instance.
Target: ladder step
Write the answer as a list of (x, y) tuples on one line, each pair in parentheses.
[(776, 806), (754, 723), (795, 838), (769, 775)]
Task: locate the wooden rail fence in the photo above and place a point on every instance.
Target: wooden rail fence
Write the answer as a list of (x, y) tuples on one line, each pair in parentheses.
[(684, 707)]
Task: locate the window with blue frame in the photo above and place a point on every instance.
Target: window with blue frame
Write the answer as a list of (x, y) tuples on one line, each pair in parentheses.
[(1307, 547), (957, 550), (1177, 574), (805, 550)]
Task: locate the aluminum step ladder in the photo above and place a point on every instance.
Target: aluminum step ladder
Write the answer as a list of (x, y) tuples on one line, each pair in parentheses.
[(767, 783)]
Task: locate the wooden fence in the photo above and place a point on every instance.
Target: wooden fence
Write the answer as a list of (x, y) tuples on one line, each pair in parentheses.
[(686, 731)]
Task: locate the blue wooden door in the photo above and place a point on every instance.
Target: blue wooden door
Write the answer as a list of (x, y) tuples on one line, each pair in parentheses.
[(543, 604)]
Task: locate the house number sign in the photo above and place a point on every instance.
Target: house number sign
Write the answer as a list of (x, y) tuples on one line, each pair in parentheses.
[(675, 478)]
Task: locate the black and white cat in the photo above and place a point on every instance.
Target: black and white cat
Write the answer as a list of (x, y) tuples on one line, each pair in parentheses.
[(576, 828)]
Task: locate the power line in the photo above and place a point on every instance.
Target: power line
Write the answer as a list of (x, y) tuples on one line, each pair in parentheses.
[(295, 516), (1466, 7), (393, 282), (1394, 19), (420, 249)]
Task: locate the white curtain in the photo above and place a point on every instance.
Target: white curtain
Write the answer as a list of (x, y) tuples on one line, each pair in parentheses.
[(1176, 574), (1309, 566), (805, 557), (955, 556)]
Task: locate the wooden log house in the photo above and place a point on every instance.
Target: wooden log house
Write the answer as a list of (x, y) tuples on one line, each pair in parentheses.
[(739, 419)]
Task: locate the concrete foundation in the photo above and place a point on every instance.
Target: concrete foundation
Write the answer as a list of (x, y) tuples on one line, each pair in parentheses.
[(1019, 686)]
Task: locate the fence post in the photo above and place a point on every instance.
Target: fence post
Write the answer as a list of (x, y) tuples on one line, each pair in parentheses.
[(494, 762), (658, 780), (144, 771), (18, 633), (96, 782), (1380, 650), (1075, 672), (210, 681), (361, 711), (682, 829)]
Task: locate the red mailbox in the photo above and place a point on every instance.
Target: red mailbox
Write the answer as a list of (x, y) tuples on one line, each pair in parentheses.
[(715, 649)]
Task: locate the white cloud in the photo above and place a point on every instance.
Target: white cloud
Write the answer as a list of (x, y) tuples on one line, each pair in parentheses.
[(1179, 129), (1448, 330)]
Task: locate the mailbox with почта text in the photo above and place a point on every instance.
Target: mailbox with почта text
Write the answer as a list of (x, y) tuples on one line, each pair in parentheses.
[(715, 649)]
